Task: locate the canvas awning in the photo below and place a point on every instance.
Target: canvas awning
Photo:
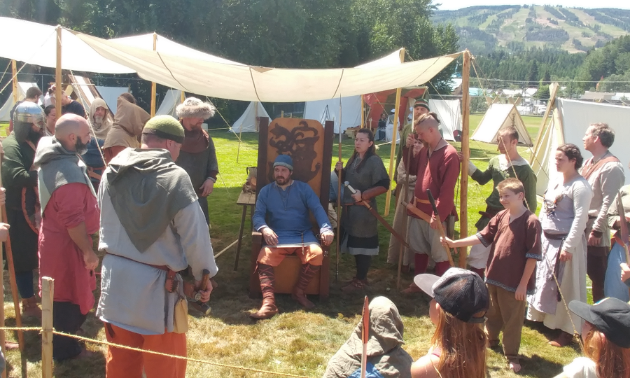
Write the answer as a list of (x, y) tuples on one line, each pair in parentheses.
[(252, 83)]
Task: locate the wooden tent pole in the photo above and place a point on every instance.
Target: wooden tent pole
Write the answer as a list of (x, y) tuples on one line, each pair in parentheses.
[(15, 81), (58, 80), (552, 101), (463, 181), (392, 153), (2, 334), (153, 84), (362, 112), (182, 96), (48, 289)]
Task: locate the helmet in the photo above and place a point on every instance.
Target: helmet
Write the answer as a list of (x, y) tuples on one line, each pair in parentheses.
[(29, 112)]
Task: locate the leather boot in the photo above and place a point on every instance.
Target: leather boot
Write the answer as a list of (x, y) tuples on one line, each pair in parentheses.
[(562, 340), (30, 308), (267, 280), (307, 272)]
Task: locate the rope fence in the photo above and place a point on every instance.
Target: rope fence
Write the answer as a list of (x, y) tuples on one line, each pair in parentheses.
[(87, 339)]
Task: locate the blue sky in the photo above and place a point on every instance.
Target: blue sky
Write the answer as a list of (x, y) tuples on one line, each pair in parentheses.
[(457, 4)]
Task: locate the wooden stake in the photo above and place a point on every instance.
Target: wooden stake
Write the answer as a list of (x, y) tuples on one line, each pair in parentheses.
[(58, 74), (392, 154), (463, 181), (15, 81), (153, 84), (48, 290)]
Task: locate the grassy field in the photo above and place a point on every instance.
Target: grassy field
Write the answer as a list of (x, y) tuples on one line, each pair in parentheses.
[(295, 341)]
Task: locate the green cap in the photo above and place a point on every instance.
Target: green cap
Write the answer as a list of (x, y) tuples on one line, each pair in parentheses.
[(421, 102), (165, 127)]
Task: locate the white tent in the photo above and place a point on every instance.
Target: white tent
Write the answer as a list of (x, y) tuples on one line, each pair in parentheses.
[(172, 98), (248, 122), (110, 95), (570, 120), (328, 110), (498, 116), (5, 111), (450, 114)]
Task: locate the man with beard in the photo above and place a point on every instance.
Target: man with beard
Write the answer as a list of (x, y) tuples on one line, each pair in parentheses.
[(282, 216), (23, 213), (198, 156), (70, 217)]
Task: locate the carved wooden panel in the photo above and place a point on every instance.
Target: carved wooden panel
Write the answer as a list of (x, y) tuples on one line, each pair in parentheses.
[(303, 140)]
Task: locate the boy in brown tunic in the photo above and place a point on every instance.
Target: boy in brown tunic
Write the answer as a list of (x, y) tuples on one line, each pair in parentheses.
[(515, 237)]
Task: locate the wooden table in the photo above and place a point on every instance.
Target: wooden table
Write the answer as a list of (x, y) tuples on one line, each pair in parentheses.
[(246, 200)]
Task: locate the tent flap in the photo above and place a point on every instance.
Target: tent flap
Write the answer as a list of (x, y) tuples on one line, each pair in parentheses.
[(450, 114), (498, 116), (248, 121)]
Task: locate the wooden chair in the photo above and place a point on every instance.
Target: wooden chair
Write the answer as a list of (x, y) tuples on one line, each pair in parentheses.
[(310, 146)]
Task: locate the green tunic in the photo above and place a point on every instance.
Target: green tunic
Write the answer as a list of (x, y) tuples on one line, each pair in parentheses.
[(498, 170), (358, 223), (16, 175)]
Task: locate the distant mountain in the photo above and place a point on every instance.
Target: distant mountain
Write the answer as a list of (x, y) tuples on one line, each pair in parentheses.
[(483, 28)]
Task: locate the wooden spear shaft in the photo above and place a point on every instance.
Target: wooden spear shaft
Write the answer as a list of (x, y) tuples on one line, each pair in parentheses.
[(153, 84), (392, 154), (404, 193), (14, 81), (463, 181)]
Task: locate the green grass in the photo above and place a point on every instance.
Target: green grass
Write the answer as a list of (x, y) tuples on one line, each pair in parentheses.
[(295, 341)]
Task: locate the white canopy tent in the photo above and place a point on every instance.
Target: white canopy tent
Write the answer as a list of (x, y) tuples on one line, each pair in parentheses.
[(570, 120), (172, 98), (248, 121), (328, 110), (450, 114), (5, 111), (498, 116), (252, 83)]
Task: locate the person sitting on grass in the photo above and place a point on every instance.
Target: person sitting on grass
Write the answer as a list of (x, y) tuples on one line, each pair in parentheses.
[(385, 355), (514, 237), (460, 301), (606, 336)]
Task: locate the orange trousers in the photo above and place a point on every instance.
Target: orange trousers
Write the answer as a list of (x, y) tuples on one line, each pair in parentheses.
[(130, 364)]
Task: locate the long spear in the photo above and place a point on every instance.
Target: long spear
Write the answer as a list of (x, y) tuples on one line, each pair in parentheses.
[(365, 335), (339, 177), (405, 232)]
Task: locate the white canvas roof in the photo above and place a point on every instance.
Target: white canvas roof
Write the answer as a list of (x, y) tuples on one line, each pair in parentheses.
[(498, 116), (37, 44), (172, 98), (110, 95), (569, 123), (248, 122), (5, 111), (450, 114), (253, 83), (328, 110)]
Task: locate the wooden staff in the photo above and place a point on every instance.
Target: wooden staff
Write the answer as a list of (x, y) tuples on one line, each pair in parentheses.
[(48, 290), (15, 81), (405, 191), (14, 291), (58, 74), (624, 235), (339, 177), (362, 112), (392, 154), (153, 84), (463, 181)]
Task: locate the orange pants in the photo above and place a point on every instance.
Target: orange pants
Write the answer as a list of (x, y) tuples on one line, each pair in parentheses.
[(313, 255), (129, 364), (110, 152)]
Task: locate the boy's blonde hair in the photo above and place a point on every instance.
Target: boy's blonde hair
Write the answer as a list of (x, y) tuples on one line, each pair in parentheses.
[(512, 184)]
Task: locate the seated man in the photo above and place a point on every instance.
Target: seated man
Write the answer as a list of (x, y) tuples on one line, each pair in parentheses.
[(282, 216)]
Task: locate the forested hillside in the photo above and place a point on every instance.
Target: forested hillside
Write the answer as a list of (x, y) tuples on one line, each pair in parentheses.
[(514, 27)]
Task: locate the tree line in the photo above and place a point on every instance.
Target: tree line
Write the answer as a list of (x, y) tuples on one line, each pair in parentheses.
[(272, 33)]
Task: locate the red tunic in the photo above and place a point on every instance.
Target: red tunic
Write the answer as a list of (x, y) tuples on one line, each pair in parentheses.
[(438, 172), (59, 256)]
